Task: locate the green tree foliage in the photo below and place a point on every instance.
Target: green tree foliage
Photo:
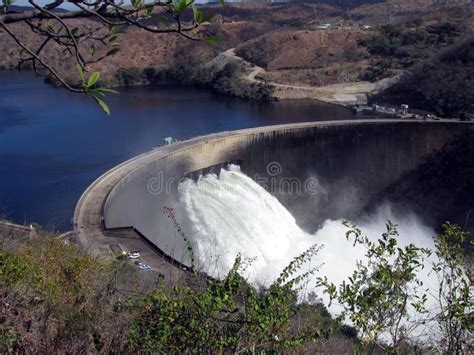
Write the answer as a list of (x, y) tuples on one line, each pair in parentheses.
[(455, 293), (401, 46), (129, 76), (388, 43), (387, 302), (55, 298), (10, 340), (398, 41), (226, 314), (229, 81), (444, 85), (378, 70), (172, 75), (377, 296)]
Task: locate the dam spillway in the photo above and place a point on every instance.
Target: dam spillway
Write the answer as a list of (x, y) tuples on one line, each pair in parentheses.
[(316, 170)]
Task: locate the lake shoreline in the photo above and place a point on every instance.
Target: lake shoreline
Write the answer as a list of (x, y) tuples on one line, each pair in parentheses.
[(54, 143)]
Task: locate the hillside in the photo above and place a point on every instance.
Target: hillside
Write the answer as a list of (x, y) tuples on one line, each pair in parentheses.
[(56, 298), (444, 85), (308, 57), (295, 50)]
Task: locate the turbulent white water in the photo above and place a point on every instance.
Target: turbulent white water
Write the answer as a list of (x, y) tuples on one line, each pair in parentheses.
[(230, 214)]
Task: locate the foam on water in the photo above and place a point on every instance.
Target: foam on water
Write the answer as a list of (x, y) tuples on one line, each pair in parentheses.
[(230, 214)]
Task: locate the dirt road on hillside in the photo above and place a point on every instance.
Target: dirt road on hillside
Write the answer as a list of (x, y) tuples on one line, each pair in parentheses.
[(344, 94)]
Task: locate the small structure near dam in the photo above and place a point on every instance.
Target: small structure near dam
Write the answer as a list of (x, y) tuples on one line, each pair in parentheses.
[(316, 170)]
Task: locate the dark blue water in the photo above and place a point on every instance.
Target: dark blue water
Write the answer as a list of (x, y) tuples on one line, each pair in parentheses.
[(53, 143)]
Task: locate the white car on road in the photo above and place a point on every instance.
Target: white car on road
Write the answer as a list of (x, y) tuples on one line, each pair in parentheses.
[(142, 266), (134, 254)]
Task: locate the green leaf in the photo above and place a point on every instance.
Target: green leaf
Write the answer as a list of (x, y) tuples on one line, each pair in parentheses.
[(105, 90), (93, 50), (112, 51), (49, 27), (114, 29), (211, 39), (201, 18), (102, 104), (148, 10), (93, 79), (81, 73), (207, 17), (181, 5), (195, 12), (136, 3)]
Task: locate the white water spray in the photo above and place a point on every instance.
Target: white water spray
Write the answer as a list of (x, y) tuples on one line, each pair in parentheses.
[(230, 214)]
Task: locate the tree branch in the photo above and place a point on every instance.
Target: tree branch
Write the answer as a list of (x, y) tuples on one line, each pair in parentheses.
[(74, 40), (79, 58), (44, 64)]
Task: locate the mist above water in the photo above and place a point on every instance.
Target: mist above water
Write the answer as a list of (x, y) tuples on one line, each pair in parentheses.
[(231, 214)]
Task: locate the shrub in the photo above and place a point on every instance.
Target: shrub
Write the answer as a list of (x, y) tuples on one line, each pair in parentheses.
[(225, 315), (455, 293), (445, 85), (378, 295), (129, 76), (377, 71), (229, 81), (55, 297)]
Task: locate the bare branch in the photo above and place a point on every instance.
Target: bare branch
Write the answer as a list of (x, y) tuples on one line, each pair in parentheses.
[(37, 57), (79, 41), (53, 5), (79, 58), (101, 16)]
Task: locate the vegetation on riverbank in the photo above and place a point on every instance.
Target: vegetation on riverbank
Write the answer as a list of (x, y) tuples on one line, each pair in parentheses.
[(55, 298), (444, 85), (400, 46), (298, 44), (229, 80)]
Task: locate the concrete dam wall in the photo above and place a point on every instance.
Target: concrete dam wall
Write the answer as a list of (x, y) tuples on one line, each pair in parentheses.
[(317, 170)]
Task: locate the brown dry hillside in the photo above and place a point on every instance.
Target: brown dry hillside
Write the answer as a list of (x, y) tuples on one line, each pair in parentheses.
[(308, 57), (139, 48), (234, 24), (284, 39), (444, 84), (280, 14), (303, 49)]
